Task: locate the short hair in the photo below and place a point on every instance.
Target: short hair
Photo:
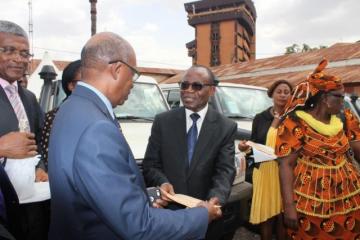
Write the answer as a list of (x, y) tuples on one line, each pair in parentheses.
[(275, 84), (105, 50), (12, 28), (69, 74), (212, 78)]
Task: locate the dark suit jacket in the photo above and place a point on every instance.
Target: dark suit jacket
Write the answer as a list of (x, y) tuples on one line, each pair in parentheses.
[(211, 172), (261, 125), (97, 191), (9, 123)]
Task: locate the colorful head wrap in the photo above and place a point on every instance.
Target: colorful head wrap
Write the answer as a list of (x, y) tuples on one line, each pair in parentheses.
[(315, 82)]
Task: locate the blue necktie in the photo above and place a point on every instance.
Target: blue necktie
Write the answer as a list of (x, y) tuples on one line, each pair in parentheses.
[(192, 136)]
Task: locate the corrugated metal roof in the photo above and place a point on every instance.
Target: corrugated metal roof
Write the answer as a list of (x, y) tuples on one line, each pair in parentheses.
[(344, 61), (145, 70)]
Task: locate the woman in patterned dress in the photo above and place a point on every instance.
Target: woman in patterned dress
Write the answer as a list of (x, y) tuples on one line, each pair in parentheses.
[(319, 184)]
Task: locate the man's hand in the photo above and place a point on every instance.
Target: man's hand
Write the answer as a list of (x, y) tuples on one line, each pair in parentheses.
[(213, 208), (18, 145), (290, 217), (242, 146), (164, 201), (41, 175)]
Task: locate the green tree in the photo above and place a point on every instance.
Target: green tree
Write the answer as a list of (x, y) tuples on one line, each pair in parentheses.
[(295, 48), (292, 49)]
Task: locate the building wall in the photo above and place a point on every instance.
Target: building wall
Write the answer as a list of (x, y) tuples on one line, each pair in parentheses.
[(227, 42), (235, 44), (203, 44)]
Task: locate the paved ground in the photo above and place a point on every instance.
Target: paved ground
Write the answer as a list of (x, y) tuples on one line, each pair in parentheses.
[(243, 234)]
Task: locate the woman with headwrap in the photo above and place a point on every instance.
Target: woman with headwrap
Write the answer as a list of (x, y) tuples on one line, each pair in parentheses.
[(320, 187)]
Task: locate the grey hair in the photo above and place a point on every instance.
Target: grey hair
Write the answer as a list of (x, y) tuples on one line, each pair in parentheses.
[(108, 47), (12, 28)]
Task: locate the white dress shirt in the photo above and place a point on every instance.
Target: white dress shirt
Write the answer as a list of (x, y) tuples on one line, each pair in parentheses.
[(199, 122)]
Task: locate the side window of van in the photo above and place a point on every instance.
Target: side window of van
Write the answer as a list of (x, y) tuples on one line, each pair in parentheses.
[(173, 98)]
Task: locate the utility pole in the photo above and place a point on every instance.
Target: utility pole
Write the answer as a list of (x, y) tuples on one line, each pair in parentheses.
[(31, 33), (93, 16)]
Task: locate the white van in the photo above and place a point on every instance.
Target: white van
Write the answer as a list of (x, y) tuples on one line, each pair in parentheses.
[(135, 116)]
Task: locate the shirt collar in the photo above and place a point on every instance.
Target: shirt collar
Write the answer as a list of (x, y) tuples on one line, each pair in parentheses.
[(4, 84), (201, 113), (101, 96)]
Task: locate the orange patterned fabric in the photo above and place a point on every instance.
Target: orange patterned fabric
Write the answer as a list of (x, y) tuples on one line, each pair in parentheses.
[(326, 184), (339, 227), (315, 82)]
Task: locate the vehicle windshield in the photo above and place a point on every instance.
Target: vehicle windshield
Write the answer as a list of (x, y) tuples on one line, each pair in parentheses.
[(145, 101), (242, 102)]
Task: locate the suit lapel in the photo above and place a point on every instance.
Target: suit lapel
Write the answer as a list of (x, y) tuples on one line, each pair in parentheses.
[(180, 134), (27, 106), (206, 136), (7, 109)]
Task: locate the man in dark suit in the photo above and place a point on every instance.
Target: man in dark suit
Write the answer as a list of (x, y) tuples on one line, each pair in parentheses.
[(202, 167), (25, 221), (96, 187)]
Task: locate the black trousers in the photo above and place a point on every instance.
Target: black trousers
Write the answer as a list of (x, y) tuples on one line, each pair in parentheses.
[(215, 230), (34, 221)]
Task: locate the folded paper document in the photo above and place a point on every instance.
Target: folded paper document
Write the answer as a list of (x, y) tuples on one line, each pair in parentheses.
[(261, 152), (182, 199)]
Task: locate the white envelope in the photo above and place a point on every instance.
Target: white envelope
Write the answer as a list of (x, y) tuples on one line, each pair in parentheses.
[(21, 173), (262, 153)]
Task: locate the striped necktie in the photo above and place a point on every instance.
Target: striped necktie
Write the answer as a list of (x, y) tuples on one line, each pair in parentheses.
[(18, 107)]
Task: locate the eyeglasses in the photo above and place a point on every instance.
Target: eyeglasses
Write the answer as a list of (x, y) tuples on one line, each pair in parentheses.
[(342, 96), (196, 86), (135, 72), (11, 51)]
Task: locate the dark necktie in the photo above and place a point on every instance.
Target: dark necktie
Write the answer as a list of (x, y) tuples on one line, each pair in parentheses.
[(192, 136)]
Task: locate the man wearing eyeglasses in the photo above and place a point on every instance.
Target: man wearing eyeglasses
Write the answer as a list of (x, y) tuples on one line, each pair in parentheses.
[(191, 149), (97, 189), (20, 127)]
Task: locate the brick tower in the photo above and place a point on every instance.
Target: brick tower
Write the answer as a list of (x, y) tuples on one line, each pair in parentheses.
[(224, 31)]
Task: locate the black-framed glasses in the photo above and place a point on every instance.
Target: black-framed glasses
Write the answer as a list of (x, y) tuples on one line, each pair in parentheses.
[(341, 96), (11, 51), (135, 72), (196, 86)]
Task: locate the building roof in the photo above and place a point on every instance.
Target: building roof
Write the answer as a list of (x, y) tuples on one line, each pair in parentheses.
[(144, 70), (208, 11), (206, 4), (35, 63), (344, 61)]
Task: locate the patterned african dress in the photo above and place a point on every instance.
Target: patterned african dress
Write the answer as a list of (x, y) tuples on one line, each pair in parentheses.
[(45, 134), (326, 184)]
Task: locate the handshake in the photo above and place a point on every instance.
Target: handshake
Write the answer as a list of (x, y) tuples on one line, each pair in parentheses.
[(160, 198)]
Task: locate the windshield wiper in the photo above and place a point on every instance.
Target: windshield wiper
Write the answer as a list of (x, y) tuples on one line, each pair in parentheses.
[(132, 117)]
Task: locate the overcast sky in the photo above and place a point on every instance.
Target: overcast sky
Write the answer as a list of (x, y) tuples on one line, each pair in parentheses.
[(158, 29)]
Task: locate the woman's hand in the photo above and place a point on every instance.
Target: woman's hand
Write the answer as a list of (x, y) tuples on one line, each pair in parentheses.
[(243, 146), (290, 217)]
